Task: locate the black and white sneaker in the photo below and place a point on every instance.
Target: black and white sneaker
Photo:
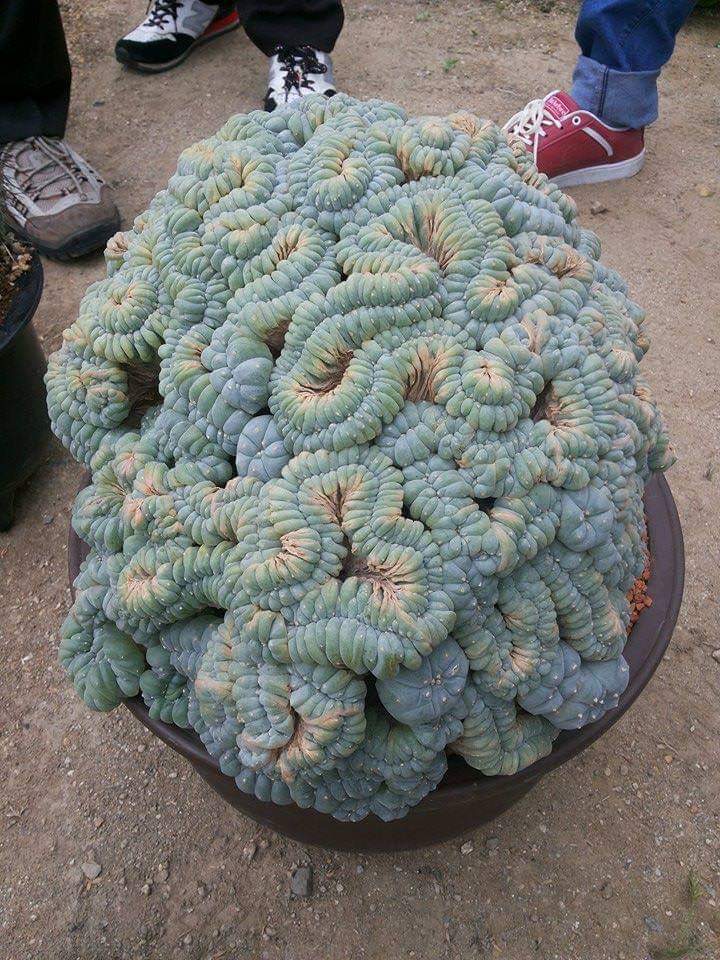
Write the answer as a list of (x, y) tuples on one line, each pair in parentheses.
[(296, 72), (171, 31)]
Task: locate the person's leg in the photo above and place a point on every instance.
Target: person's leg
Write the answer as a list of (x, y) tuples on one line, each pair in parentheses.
[(52, 197), (624, 44), (598, 132), (34, 71), (293, 23)]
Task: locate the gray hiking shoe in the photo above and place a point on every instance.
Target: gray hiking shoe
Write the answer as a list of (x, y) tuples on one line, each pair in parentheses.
[(55, 199)]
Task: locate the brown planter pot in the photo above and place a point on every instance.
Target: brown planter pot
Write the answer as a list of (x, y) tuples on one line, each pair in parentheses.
[(465, 799)]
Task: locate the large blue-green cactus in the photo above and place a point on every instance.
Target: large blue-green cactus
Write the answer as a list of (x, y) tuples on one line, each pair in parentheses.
[(368, 444)]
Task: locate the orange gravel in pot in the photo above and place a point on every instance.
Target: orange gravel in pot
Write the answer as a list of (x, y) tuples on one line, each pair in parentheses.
[(638, 595)]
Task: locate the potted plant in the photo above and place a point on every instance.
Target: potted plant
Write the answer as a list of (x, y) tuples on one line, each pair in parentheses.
[(24, 425), (375, 531)]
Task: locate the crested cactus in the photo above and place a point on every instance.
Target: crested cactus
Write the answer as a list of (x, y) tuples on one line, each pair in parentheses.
[(368, 443)]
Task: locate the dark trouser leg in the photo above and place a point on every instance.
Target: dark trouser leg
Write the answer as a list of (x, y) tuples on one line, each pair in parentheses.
[(34, 70), (624, 45), (316, 23)]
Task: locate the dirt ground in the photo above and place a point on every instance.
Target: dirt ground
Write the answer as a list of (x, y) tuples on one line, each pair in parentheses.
[(596, 864)]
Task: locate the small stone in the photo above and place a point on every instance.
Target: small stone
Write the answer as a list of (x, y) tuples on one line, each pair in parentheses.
[(98, 103), (162, 872), (48, 519), (76, 875), (359, 869), (716, 655), (202, 891), (467, 847), (652, 924), (492, 843), (339, 887), (146, 889), (91, 870), (596, 207), (98, 822), (608, 772), (187, 939), (668, 758), (705, 190), (607, 891), (249, 851), (301, 882)]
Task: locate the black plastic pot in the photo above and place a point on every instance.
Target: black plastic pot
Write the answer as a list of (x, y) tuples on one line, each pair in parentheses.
[(465, 799), (24, 424)]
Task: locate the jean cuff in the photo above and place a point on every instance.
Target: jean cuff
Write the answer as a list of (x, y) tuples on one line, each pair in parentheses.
[(620, 99)]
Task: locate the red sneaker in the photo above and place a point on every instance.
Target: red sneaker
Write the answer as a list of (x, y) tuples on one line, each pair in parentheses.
[(573, 146)]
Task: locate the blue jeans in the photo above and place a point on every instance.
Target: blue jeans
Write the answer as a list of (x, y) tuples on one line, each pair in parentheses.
[(624, 44)]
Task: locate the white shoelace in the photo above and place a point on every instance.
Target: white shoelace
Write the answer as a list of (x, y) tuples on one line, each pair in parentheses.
[(529, 123)]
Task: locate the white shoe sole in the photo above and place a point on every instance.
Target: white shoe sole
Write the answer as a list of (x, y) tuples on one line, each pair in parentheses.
[(602, 172)]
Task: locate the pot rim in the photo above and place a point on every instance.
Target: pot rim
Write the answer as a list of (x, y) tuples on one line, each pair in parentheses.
[(24, 303)]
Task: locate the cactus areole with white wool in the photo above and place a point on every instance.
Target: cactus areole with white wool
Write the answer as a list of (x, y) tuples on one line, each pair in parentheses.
[(368, 443)]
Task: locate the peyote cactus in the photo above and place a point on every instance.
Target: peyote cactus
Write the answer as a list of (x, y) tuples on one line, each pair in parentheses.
[(368, 445)]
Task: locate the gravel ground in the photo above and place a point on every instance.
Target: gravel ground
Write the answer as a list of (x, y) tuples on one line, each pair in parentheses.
[(111, 848)]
